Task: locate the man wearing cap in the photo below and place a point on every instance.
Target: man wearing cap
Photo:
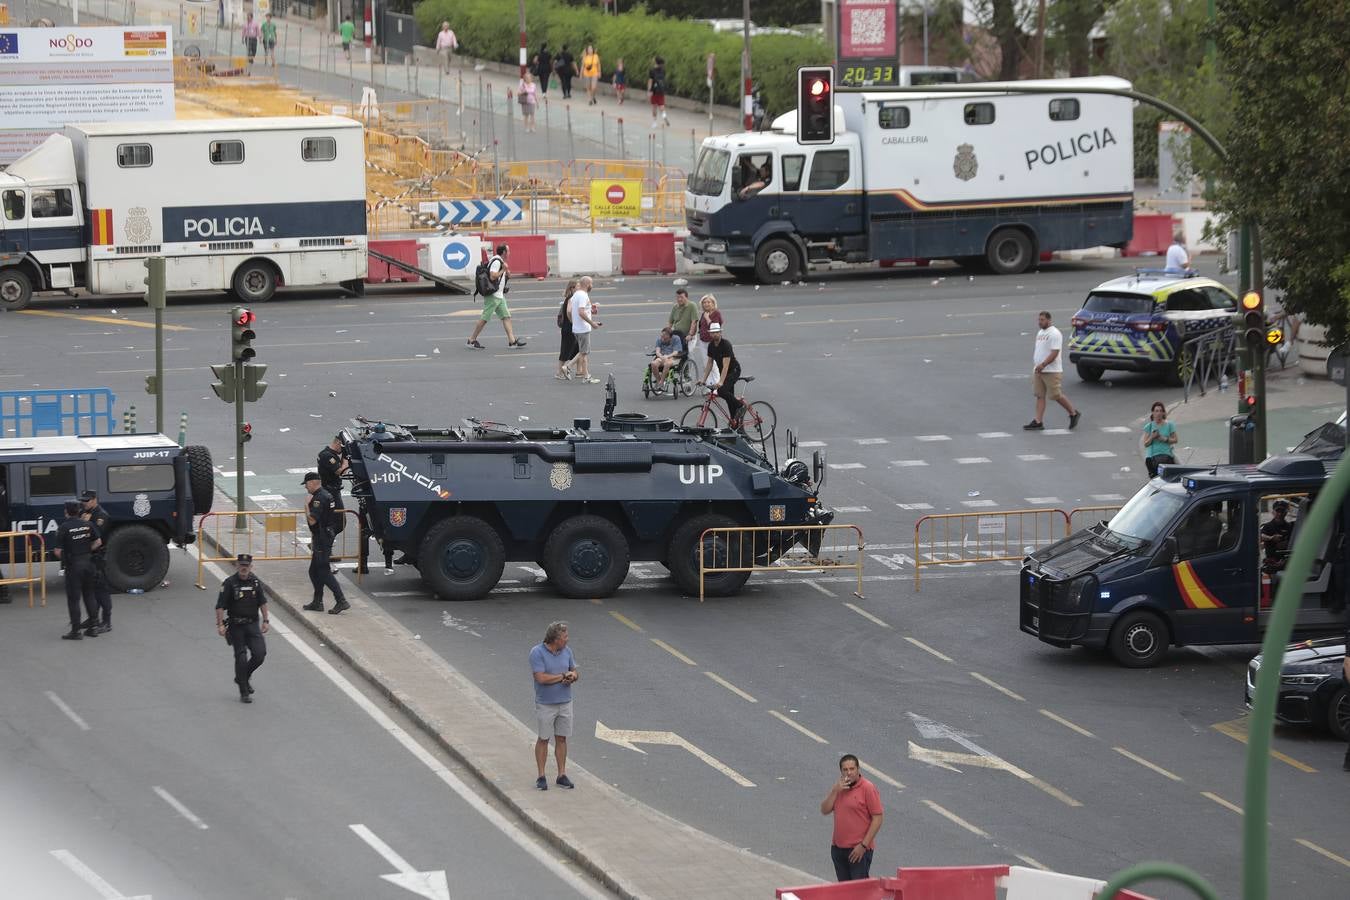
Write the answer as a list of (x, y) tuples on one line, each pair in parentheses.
[(242, 619), (723, 371), (319, 514), (98, 517), (76, 540), (1275, 537)]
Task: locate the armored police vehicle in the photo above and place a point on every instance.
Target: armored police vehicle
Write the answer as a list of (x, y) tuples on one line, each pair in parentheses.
[(150, 487), (580, 502), (1194, 557)]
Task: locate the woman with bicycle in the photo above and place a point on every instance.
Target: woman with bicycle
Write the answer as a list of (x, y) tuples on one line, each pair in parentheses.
[(728, 371)]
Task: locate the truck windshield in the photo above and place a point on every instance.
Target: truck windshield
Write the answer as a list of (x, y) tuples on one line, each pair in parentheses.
[(710, 175), (1148, 511)]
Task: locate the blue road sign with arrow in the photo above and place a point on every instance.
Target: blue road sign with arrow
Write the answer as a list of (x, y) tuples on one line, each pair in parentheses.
[(456, 255), (459, 212)]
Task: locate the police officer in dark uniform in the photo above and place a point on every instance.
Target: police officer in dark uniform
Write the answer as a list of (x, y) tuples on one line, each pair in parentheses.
[(241, 618), (76, 541), (332, 466), (319, 513), (98, 516)]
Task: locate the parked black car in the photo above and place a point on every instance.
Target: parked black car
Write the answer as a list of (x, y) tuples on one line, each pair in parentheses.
[(1312, 687)]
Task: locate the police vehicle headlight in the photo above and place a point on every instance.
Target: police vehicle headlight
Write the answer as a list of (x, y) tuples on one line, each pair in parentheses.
[(1308, 679), (796, 472), (716, 246), (1080, 592)]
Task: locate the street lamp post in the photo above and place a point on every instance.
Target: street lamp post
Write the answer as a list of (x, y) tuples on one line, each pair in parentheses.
[(523, 51), (747, 105)]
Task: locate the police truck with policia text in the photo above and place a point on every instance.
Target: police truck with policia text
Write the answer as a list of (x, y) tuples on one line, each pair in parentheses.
[(985, 179), (244, 205)]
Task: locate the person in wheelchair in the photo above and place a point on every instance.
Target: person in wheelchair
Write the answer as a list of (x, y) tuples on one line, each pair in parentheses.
[(669, 356)]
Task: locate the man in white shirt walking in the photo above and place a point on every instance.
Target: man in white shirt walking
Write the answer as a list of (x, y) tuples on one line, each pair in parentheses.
[(1047, 373), (583, 323), (1178, 260)]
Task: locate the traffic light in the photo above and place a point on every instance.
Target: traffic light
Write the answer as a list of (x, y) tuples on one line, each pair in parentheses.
[(815, 105), (151, 384), (242, 334), (224, 386), (1254, 321), (245, 433), (254, 386), (154, 283)]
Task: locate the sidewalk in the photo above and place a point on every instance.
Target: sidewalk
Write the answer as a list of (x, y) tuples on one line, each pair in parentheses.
[(631, 848)]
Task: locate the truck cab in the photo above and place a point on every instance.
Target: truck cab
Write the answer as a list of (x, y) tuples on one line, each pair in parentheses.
[(42, 227), (1183, 562)]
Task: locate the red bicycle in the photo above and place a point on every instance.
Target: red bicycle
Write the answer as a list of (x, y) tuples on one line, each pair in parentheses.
[(758, 419)]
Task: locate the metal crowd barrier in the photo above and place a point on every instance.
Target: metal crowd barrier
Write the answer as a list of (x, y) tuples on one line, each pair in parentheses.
[(33, 566), (976, 537), (69, 411), (277, 540), (826, 550), (1070, 528)]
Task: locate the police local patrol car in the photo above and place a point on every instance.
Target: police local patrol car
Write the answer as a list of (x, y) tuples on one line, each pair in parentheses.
[(1139, 323)]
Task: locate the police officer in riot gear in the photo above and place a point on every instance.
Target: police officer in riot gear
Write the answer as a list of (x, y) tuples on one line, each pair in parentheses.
[(242, 619), (98, 516), (320, 514), (76, 540)]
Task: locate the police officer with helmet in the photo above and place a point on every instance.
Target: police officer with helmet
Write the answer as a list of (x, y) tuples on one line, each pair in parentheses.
[(242, 619), (320, 514), (97, 515), (76, 540)]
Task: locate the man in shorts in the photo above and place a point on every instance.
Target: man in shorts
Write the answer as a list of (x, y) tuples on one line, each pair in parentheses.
[(555, 671), (1047, 373), (656, 89), (584, 324), (347, 31), (495, 303)]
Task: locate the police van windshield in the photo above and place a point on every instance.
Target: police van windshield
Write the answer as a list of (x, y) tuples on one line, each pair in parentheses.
[(710, 175), (1120, 304), (1147, 513)]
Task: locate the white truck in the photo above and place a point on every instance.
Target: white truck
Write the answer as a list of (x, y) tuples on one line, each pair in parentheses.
[(984, 179), (231, 204)]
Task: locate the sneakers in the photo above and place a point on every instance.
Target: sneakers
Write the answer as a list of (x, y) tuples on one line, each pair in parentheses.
[(72, 635), (91, 631), (518, 342), (1033, 425), (590, 379), (388, 571), (341, 605), (474, 345), (560, 376), (316, 606), (541, 782), (565, 782), (1073, 419), (103, 629), (568, 373)]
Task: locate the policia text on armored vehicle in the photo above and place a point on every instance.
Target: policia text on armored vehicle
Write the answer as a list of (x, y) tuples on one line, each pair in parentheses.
[(1183, 563), (460, 502)]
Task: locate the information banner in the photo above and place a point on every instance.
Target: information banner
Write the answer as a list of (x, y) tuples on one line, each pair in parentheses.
[(50, 78), (868, 53), (616, 199)]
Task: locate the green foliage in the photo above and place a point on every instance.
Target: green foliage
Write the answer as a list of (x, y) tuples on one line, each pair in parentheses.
[(1287, 68), (485, 29)]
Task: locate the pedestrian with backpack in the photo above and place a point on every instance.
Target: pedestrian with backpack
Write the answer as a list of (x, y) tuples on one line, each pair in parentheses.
[(490, 282), (656, 90), (567, 349)]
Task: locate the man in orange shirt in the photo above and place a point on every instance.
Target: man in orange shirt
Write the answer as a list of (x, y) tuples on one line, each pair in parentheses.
[(856, 805)]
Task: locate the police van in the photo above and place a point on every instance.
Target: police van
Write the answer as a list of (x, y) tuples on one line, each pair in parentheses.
[(244, 205), (1183, 562)]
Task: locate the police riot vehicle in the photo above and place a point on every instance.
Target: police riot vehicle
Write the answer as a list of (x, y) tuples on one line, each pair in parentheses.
[(580, 502), (232, 204), (1195, 557), (150, 487), (989, 180)]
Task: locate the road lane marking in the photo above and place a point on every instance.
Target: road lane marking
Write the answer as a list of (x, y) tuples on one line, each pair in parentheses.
[(1146, 764), (1222, 802), (930, 438), (915, 507), (627, 621), (866, 615), (363, 362), (1034, 457), (852, 509), (927, 649), (1042, 501), (431, 884), (881, 776), (955, 819), (909, 463), (180, 808), (869, 441), (819, 587), (673, 652), (802, 728), (805, 444), (919, 337), (1066, 723), (994, 434), (1034, 863), (1236, 730), (978, 756), (971, 460), (731, 687), (1106, 498), (629, 739), (1096, 454), (70, 713), (998, 687), (847, 466), (92, 878), (978, 504), (106, 320), (1325, 852), (1117, 429)]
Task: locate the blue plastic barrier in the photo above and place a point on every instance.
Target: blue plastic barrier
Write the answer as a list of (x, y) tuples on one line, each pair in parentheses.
[(59, 412)]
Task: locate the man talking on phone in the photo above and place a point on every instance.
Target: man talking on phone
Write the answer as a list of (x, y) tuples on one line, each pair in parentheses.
[(856, 805)]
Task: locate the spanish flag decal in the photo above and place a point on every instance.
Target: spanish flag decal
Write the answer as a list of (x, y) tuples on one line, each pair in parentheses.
[(100, 221), (1193, 591)]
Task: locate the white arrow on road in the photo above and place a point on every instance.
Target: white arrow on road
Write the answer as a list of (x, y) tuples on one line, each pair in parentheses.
[(978, 756), (92, 878), (630, 739), (431, 884)]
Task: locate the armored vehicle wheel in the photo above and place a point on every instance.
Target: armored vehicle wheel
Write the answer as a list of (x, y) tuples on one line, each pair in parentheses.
[(15, 289), (201, 478), (462, 558), (136, 558), (586, 556), (684, 554), (1139, 640), (255, 281)]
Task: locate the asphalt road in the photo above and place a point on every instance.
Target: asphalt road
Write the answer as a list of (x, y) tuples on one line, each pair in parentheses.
[(915, 384), (128, 760)]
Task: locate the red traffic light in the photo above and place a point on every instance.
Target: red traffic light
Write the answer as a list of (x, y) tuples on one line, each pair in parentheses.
[(1251, 399), (819, 87), (246, 317), (247, 428)]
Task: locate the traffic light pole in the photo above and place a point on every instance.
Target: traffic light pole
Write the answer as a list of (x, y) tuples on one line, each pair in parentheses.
[(159, 369), (240, 520)]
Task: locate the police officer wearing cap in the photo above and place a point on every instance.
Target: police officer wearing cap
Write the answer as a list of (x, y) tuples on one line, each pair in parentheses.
[(332, 466), (76, 540), (320, 514), (241, 618), (98, 516)]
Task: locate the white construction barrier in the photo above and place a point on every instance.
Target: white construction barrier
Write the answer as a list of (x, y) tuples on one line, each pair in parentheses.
[(585, 253), (453, 256)]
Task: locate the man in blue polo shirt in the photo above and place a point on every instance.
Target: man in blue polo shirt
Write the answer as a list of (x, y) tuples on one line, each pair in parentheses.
[(555, 671)]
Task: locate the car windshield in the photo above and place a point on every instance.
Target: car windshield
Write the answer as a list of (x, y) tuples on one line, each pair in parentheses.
[(710, 174), (1147, 512), (1121, 304)]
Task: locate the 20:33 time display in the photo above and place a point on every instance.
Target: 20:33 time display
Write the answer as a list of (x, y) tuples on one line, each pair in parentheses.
[(871, 76)]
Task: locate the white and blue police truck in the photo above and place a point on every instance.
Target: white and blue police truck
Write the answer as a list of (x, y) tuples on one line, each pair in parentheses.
[(244, 205), (986, 179)]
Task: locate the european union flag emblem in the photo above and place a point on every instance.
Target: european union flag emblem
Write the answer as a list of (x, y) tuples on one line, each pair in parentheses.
[(9, 43)]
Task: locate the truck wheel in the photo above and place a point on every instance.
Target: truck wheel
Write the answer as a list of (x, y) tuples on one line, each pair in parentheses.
[(1009, 251), (586, 557), (1338, 714), (16, 291), (777, 260), (1139, 640), (255, 282), (682, 558), (136, 558), (462, 558), (1088, 372), (201, 478)]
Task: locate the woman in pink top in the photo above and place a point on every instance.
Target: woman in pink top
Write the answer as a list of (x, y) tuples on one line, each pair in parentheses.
[(700, 336), (527, 93), (252, 31)]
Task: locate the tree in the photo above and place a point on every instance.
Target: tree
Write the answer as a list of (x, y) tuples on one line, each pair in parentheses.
[(1071, 22), (1005, 21), (1287, 70)]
